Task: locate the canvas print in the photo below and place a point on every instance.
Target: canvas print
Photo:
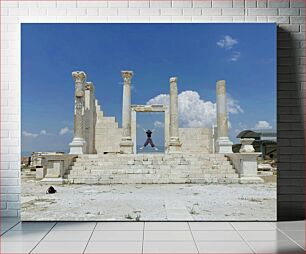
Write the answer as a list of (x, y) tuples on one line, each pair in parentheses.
[(159, 122)]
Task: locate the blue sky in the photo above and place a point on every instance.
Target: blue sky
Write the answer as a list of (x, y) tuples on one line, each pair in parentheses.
[(198, 54)]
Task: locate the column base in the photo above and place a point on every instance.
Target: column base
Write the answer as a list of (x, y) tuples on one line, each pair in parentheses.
[(126, 145), (174, 146), (224, 145), (77, 146)]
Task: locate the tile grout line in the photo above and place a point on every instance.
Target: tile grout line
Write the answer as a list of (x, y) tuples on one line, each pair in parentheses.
[(193, 237), (283, 232), (143, 232), (10, 228), (42, 238), (90, 237), (245, 241)]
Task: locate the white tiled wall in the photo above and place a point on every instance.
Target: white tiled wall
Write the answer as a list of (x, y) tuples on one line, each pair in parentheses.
[(289, 14)]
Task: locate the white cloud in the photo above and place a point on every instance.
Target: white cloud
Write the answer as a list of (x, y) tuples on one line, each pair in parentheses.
[(262, 125), (194, 111), (227, 42), (235, 56), (29, 134), (35, 135), (233, 106), (159, 99), (43, 132), (159, 124), (64, 131)]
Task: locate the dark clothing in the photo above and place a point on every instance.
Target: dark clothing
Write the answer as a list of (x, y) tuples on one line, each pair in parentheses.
[(149, 141), (149, 133)]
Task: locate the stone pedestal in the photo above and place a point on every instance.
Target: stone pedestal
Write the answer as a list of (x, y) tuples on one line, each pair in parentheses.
[(246, 166), (175, 145), (56, 168), (77, 146), (126, 144), (223, 143)]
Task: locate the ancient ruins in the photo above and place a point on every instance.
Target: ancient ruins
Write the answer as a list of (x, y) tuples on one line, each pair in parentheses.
[(101, 152)]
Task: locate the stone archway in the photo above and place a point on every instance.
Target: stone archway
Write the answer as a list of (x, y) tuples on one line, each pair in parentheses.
[(147, 109)]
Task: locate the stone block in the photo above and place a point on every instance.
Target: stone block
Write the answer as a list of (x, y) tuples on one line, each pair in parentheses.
[(233, 12), (222, 3), (262, 12), (278, 3), (40, 173)]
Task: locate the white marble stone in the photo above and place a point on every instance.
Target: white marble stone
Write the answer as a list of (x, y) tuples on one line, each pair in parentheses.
[(126, 144), (174, 140), (223, 143), (246, 166)]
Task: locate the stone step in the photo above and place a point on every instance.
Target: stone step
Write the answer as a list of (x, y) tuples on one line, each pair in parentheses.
[(111, 159), (157, 158), (151, 168), (154, 181), (160, 167), (148, 155), (151, 171)]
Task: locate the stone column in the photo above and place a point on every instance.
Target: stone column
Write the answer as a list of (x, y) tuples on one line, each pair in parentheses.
[(134, 130), (78, 144), (89, 117), (126, 145), (224, 145), (174, 141)]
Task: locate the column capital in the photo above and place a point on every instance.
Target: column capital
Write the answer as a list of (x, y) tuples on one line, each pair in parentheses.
[(79, 76), (221, 81), (221, 87), (127, 76), (89, 86), (173, 80)]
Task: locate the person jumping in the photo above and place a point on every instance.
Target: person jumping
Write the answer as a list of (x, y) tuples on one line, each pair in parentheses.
[(149, 139)]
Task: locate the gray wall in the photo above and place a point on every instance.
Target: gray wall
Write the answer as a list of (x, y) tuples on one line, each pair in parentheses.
[(289, 14)]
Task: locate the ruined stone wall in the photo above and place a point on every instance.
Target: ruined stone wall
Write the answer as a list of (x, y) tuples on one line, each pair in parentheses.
[(107, 133), (196, 140)]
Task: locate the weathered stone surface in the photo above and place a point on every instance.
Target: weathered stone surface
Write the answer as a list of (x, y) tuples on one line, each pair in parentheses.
[(78, 144), (223, 144), (126, 144), (196, 140), (174, 140), (152, 168)]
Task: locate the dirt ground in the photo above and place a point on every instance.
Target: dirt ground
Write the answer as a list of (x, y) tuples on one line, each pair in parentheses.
[(160, 202)]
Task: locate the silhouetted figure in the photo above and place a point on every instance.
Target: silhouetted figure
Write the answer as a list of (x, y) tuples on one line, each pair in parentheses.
[(149, 139)]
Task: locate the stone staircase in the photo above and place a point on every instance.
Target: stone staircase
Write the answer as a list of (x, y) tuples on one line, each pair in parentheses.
[(151, 168)]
